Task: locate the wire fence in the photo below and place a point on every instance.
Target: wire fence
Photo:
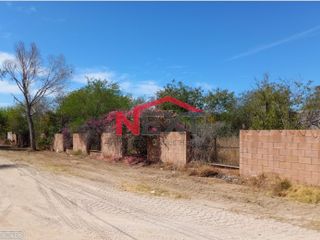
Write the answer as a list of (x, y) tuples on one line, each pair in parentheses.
[(216, 150), (228, 151)]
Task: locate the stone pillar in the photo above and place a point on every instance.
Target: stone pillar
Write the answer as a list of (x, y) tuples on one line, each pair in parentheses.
[(173, 147), (9, 136), (80, 143), (111, 146), (58, 143), (153, 149), (14, 139)]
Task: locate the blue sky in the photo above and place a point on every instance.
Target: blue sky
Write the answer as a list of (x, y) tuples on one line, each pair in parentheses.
[(145, 45)]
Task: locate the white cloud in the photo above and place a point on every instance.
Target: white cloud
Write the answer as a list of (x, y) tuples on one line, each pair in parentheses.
[(5, 56), (8, 87), (141, 88), (128, 86), (204, 85), (82, 76), (125, 86), (296, 36)]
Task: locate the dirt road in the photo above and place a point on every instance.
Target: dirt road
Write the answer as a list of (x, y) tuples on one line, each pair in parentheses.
[(47, 205)]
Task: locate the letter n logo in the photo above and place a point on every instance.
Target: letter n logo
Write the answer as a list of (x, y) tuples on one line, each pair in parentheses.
[(134, 126)]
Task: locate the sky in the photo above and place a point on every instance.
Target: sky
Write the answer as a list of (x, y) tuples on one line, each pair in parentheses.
[(145, 45)]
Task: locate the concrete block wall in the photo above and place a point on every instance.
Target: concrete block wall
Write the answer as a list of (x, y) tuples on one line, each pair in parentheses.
[(293, 154), (80, 143), (58, 145), (111, 146), (173, 148)]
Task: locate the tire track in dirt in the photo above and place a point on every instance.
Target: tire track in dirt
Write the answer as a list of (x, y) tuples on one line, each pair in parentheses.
[(116, 206), (62, 206), (143, 215), (85, 204)]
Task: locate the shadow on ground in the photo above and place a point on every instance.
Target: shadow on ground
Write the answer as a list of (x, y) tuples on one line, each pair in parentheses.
[(6, 166)]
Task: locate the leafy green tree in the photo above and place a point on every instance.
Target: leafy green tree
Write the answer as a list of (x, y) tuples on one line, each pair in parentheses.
[(97, 98), (220, 103), (310, 115), (271, 105), (187, 94), (137, 101), (47, 124), (313, 100), (16, 119), (3, 122)]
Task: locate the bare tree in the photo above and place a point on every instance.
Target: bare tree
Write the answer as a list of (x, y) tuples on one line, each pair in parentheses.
[(34, 79)]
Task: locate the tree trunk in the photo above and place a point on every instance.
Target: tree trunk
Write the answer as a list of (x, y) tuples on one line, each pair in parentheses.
[(31, 130)]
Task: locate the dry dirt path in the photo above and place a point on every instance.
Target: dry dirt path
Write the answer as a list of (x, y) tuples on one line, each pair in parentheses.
[(48, 206)]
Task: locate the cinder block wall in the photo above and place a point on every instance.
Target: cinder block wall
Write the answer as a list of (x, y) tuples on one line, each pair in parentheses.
[(111, 146), (293, 154), (58, 145), (80, 143), (173, 148)]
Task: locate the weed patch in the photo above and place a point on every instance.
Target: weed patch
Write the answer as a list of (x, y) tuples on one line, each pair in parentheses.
[(205, 171), (154, 191), (276, 186), (271, 183), (305, 194)]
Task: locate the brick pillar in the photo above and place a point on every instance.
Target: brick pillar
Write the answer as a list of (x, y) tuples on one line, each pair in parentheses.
[(111, 146), (153, 149), (58, 143), (80, 143), (173, 147)]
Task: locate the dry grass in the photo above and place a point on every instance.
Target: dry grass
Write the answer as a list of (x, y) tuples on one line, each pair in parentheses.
[(76, 153), (56, 168), (276, 186), (305, 194), (44, 160), (204, 171), (153, 182), (271, 183), (149, 190)]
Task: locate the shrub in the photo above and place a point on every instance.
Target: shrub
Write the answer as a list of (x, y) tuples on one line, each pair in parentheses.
[(44, 143), (271, 183), (305, 194), (205, 171)]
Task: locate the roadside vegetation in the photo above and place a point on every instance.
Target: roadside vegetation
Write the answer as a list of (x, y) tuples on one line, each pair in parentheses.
[(270, 104), (275, 186), (43, 109), (269, 185)]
